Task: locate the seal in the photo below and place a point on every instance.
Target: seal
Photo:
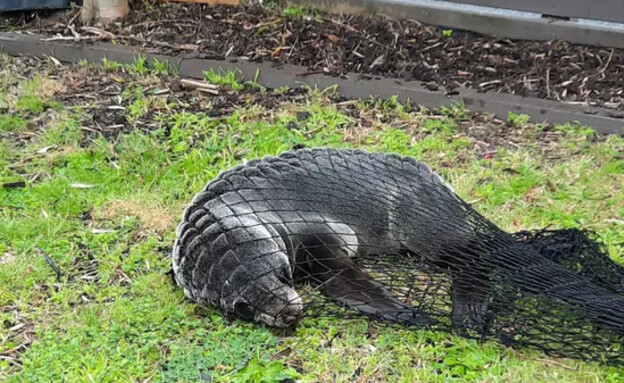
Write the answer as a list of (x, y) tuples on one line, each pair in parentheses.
[(257, 228), (258, 231)]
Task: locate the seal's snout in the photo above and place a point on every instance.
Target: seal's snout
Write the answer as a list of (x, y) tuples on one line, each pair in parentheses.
[(283, 309), (292, 311)]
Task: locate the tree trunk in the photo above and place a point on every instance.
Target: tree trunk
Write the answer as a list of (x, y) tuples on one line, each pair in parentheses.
[(104, 10)]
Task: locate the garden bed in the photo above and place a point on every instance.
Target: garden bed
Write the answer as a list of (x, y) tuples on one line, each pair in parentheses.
[(377, 46)]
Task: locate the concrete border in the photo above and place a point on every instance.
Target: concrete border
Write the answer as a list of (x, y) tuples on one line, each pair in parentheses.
[(351, 86), (484, 20)]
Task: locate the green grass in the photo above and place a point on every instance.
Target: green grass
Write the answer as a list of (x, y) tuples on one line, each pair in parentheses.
[(115, 316), (294, 11)]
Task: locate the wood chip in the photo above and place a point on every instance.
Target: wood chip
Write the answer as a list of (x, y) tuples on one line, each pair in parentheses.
[(200, 85), (17, 327), (378, 61), (189, 47), (487, 83), (79, 185), (45, 150), (102, 231)]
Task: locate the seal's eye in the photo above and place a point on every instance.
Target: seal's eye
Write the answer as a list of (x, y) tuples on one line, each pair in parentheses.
[(244, 310), (282, 277)]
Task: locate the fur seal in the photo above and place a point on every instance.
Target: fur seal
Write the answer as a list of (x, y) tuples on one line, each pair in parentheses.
[(257, 228)]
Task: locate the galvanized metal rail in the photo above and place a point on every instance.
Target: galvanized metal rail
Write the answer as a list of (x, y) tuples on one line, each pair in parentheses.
[(597, 22)]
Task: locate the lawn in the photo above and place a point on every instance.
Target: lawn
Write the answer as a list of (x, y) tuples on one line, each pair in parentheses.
[(97, 163)]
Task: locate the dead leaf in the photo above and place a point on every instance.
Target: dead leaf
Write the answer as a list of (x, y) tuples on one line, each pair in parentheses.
[(17, 327), (44, 150), (615, 220), (54, 60), (111, 149), (333, 38)]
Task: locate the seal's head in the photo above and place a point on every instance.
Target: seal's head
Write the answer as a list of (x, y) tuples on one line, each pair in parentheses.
[(264, 296)]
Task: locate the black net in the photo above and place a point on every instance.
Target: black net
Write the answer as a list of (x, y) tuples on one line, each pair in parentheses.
[(346, 233)]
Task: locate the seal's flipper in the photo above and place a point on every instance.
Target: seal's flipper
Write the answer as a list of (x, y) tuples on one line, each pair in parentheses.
[(339, 278), (470, 296)]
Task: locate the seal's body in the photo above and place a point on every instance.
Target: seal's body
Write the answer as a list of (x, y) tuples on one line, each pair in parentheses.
[(307, 214)]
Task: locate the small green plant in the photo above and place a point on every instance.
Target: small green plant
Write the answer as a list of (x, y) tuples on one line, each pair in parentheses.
[(227, 79), (140, 65), (517, 119), (254, 83), (10, 123), (264, 372), (160, 67), (282, 89), (110, 65), (438, 126), (139, 105), (31, 103), (456, 110), (574, 130), (294, 11), (447, 32)]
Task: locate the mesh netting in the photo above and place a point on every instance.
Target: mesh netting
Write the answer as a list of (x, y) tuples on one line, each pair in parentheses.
[(327, 232)]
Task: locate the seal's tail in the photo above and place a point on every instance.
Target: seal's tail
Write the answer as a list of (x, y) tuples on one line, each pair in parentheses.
[(535, 275), (579, 252)]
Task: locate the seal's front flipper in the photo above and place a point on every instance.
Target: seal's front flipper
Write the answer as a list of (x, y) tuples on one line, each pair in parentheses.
[(339, 278), (470, 295)]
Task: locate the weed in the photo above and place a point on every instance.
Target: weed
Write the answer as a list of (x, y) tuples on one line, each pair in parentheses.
[(575, 130), (160, 67), (294, 11), (140, 65), (517, 119), (254, 83), (263, 372), (31, 103), (10, 123), (438, 126), (228, 79), (282, 90), (111, 66)]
